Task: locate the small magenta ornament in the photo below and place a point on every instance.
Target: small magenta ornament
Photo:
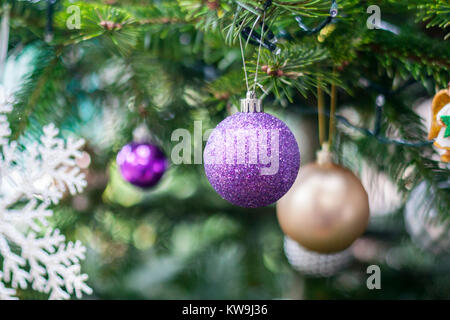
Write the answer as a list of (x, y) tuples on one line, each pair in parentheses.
[(142, 163)]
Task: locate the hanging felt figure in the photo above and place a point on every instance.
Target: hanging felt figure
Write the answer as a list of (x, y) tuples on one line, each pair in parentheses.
[(440, 125)]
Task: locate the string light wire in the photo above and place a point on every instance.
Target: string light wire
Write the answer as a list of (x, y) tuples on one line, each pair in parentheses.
[(320, 110)]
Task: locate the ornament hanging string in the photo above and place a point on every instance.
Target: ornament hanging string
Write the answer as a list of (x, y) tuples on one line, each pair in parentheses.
[(243, 63), (267, 39), (333, 101), (320, 109), (255, 84), (259, 50)]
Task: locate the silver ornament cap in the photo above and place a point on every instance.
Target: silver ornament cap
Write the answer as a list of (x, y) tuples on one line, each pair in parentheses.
[(251, 103)]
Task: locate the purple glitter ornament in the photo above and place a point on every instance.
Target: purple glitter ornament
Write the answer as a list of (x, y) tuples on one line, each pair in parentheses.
[(141, 164), (251, 158)]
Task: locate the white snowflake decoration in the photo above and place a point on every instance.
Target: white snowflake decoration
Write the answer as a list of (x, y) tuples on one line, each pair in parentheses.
[(31, 251)]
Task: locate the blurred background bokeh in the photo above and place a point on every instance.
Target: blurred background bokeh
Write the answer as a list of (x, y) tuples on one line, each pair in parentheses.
[(180, 240)]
